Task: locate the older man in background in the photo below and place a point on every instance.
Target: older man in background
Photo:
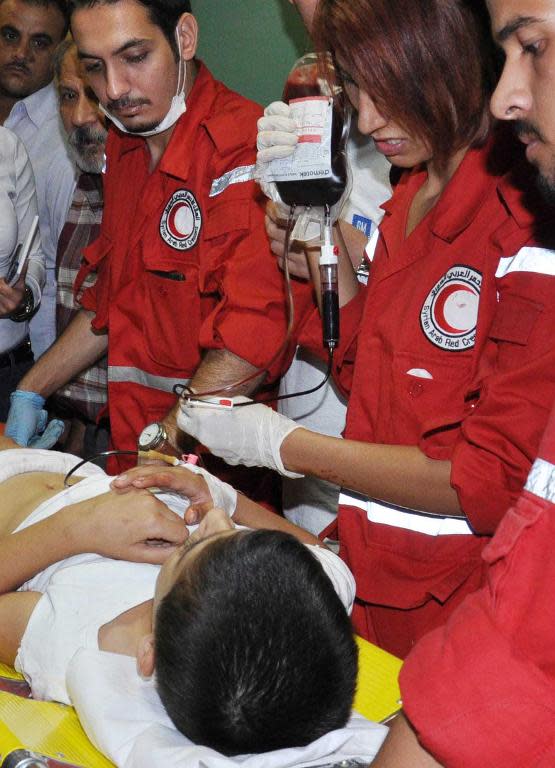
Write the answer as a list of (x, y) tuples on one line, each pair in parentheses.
[(81, 401)]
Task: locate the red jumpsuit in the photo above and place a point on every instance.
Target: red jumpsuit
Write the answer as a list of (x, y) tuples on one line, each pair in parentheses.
[(480, 690), (183, 260), (454, 354)]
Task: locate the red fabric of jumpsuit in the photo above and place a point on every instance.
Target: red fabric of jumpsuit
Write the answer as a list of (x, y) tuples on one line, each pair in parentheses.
[(480, 690), (183, 260), (449, 348)]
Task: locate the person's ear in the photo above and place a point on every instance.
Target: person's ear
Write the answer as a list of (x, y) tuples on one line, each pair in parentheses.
[(145, 656), (187, 29)]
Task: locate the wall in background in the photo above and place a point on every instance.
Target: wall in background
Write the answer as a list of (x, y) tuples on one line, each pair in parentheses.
[(250, 44)]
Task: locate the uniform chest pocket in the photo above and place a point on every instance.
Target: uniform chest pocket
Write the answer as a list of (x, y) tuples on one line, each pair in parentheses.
[(226, 224), (171, 316), (427, 391)]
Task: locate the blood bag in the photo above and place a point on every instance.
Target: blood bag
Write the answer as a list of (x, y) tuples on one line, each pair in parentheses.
[(316, 174)]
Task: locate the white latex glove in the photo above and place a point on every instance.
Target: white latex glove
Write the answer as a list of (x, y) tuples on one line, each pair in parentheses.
[(277, 138), (251, 435), (277, 135)]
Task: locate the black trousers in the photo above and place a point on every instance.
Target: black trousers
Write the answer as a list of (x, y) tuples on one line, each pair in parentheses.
[(10, 376)]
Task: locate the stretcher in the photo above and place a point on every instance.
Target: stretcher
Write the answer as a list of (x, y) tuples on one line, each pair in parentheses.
[(39, 734)]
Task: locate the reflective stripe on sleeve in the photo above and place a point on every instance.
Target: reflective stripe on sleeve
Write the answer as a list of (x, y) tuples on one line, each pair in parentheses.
[(541, 480), (401, 517), (118, 374), (528, 259), (235, 176)]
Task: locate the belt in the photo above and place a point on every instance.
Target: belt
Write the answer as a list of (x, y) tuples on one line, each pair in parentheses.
[(19, 354)]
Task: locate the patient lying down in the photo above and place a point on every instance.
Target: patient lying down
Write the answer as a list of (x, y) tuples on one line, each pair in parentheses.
[(251, 646)]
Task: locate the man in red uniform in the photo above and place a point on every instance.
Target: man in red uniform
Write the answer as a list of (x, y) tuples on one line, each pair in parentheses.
[(187, 288), (480, 691)]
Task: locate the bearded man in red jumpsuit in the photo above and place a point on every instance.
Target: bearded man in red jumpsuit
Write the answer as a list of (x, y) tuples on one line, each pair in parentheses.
[(187, 289)]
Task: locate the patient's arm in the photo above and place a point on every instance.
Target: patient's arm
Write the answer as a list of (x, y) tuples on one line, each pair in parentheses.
[(193, 486), (401, 749), (136, 527), (252, 515)]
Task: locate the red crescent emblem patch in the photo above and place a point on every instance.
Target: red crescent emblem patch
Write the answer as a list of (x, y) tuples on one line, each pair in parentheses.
[(450, 311), (181, 220)]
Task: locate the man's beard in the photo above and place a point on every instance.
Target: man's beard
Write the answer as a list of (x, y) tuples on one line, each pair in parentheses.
[(113, 107), (545, 179), (546, 185), (87, 147)]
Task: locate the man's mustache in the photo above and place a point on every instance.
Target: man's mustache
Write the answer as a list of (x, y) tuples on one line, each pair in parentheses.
[(84, 136), (124, 103), (524, 128), (18, 64)]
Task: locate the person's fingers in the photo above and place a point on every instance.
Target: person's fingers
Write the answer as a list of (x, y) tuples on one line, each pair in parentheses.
[(167, 529), (275, 230), (196, 512), (277, 108), (277, 212), (50, 436), (146, 476), (151, 552)]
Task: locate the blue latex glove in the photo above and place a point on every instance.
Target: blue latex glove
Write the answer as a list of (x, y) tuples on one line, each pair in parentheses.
[(27, 421)]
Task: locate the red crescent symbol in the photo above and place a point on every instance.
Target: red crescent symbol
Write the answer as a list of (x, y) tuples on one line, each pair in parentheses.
[(171, 221), (439, 307)]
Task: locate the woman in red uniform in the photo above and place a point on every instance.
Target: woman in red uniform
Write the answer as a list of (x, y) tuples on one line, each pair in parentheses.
[(446, 355)]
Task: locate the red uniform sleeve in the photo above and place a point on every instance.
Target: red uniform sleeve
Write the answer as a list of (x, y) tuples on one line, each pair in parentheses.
[(500, 438), (480, 691), (250, 317)]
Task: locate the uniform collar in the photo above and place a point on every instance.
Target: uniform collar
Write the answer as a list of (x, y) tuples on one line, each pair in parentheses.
[(175, 161), (461, 199), (39, 105)]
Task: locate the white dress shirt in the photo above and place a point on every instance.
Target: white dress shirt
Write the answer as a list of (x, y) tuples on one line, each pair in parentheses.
[(18, 207), (36, 121)]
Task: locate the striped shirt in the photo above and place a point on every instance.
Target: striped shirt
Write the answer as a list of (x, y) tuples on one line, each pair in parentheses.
[(86, 394)]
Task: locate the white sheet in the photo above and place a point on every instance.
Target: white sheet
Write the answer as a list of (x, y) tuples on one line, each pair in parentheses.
[(124, 718)]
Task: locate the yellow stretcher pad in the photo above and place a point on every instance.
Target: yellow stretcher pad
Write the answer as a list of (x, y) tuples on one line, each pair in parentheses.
[(39, 733)]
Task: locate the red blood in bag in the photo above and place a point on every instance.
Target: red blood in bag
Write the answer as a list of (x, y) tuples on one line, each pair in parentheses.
[(304, 81)]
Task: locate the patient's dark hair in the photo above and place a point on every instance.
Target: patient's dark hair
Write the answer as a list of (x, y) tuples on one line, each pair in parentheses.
[(163, 13), (254, 649)]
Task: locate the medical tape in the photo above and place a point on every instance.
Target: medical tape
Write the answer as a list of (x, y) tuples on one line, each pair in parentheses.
[(120, 374), (528, 259), (409, 519), (236, 176), (541, 480)]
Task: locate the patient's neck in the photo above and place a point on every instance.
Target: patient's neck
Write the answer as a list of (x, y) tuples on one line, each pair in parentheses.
[(122, 634)]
